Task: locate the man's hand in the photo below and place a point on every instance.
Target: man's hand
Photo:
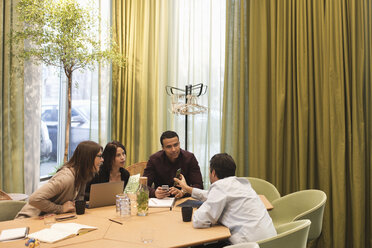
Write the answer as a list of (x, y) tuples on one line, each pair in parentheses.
[(160, 193), (176, 192), (182, 183), (68, 206)]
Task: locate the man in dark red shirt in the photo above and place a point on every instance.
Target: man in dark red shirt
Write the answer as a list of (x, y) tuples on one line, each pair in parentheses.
[(163, 165)]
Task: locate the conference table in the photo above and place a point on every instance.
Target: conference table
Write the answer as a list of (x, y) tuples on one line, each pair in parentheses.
[(166, 225)]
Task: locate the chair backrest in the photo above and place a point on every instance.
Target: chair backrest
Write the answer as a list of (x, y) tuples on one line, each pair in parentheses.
[(137, 168), (293, 235), (265, 188), (9, 209), (244, 245), (4, 196), (304, 204)]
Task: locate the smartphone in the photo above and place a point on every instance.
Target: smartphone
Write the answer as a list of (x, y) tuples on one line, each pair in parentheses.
[(178, 173), (165, 187), (65, 217)]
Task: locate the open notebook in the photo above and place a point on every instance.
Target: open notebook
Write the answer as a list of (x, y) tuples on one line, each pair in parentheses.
[(60, 231)]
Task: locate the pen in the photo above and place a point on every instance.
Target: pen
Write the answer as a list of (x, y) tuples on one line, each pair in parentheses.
[(174, 200), (116, 221)]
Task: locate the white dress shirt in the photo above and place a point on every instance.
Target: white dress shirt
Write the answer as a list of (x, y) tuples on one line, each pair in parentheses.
[(233, 203)]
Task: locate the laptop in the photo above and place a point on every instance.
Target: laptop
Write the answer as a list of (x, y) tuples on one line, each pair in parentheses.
[(104, 194)]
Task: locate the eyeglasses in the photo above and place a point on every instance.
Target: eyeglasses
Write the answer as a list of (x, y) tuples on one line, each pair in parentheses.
[(99, 156)]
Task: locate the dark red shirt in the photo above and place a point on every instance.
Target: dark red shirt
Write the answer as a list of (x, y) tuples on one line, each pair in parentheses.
[(161, 171)]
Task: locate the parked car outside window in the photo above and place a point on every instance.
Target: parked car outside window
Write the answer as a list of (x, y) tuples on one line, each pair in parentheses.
[(80, 126), (45, 142)]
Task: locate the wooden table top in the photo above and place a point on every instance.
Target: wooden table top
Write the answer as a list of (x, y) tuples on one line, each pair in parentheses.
[(167, 226)]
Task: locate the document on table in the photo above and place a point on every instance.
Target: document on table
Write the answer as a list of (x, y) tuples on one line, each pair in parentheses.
[(161, 203), (13, 234)]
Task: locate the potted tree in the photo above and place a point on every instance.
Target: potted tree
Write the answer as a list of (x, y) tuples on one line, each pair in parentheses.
[(63, 33)]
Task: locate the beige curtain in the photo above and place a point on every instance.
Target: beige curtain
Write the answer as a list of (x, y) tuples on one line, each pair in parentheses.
[(11, 107), (196, 55), (297, 104), (137, 27)]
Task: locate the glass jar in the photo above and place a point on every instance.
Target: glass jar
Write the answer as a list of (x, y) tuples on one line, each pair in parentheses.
[(123, 206), (125, 209), (142, 197)]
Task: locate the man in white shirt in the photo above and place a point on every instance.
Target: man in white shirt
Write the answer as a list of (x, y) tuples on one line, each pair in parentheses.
[(232, 202)]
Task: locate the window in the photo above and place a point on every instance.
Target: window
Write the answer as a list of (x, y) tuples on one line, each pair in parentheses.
[(89, 110)]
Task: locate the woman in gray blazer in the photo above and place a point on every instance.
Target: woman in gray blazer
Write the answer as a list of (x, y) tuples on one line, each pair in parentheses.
[(58, 194)]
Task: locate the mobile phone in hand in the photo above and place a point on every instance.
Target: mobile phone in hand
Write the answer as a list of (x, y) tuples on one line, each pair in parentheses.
[(165, 187), (178, 173)]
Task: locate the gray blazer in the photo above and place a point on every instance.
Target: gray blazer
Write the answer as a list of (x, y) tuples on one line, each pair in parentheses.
[(50, 197)]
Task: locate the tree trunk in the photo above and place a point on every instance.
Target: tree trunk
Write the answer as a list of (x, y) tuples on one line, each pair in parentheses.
[(68, 120)]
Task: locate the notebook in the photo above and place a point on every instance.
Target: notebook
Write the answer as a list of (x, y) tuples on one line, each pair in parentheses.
[(191, 203), (60, 231), (13, 234), (103, 194)]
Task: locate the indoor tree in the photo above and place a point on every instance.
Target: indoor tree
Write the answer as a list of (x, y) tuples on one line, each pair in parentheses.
[(63, 33)]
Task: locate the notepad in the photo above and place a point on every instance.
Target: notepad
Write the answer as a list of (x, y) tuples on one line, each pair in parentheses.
[(60, 231), (161, 203), (13, 234), (191, 203)]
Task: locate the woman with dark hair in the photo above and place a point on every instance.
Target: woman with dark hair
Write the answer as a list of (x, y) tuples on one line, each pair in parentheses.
[(58, 194), (112, 169)]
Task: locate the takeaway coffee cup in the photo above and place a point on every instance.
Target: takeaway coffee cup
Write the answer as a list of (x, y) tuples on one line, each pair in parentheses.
[(186, 214), (80, 206)]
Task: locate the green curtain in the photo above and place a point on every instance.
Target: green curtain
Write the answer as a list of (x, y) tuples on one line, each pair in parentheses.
[(11, 106), (135, 89), (298, 104)]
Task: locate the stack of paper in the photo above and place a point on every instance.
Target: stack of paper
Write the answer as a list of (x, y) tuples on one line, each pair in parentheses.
[(161, 203)]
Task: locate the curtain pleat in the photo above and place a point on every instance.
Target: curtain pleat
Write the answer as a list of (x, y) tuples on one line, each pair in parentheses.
[(135, 89), (308, 118), (168, 43), (11, 106)]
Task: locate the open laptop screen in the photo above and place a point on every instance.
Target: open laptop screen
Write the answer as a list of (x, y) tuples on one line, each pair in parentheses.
[(103, 194)]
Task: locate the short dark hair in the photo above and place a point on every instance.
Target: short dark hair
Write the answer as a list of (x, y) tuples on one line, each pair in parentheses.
[(109, 154), (168, 135), (223, 164)]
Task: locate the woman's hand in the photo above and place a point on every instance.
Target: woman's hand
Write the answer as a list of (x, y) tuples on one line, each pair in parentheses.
[(68, 206)]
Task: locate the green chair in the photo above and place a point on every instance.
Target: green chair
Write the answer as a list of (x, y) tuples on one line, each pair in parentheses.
[(304, 204), (293, 234), (265, 188), (289, 235), (9, 209)]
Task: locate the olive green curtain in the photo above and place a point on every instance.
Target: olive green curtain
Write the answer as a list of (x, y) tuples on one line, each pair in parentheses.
[(135, 89), (298, 104), (11, 107)]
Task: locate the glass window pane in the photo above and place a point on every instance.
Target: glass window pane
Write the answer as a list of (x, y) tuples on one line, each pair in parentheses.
[(49, 120)]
